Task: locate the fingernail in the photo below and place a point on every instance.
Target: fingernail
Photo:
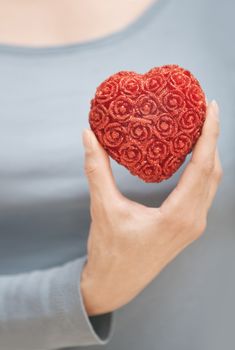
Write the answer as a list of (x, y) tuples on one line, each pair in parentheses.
[(86, 139), (215, 106)]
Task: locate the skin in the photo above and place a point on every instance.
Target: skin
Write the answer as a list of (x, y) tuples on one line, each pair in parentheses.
[(64, 21), (129, 243)]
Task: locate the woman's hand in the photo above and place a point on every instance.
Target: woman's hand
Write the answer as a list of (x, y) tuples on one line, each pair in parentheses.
[(129, 243)]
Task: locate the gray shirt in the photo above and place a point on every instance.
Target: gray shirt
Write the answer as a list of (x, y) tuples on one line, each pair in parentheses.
[(44, 198)]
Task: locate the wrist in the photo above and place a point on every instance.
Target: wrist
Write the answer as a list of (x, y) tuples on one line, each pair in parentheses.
[(94, 301)]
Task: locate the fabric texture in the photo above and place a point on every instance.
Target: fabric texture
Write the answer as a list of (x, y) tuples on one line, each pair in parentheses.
[(45, 96), (45, 310)]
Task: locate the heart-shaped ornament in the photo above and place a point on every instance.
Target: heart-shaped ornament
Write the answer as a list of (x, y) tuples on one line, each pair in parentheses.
[(149, 122)]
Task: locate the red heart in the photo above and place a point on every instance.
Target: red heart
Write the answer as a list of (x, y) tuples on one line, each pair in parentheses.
[(149, 122)]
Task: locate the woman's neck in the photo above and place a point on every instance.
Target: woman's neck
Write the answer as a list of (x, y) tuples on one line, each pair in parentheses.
[(41, 23)]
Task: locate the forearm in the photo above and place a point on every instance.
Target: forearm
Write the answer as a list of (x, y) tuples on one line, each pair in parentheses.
[(44, 310)]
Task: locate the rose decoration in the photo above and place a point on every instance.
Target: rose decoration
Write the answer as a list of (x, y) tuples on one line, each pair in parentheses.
[(122, 108), (114, 135), (149, 122)]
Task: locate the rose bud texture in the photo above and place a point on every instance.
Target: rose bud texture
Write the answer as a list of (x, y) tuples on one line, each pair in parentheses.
[(149, 122)]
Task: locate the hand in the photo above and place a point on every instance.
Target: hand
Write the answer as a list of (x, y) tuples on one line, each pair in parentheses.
[(129, 243)]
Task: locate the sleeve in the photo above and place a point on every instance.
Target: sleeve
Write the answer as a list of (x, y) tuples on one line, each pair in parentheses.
[(44, 309)]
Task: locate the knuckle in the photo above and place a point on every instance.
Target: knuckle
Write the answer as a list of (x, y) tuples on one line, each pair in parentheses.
[(216, 132), (200, 227), (194, 227), (90, 167), (207, 167), (89, 171), (197, 227), (218, 174), (203, 168)]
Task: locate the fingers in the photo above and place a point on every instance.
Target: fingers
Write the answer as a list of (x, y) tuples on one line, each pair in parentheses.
[(195, 182), (98, 170), (197, 173), (216, 178), (205, 147)]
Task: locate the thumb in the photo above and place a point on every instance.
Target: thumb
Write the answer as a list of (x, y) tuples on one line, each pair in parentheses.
[(97, 168)]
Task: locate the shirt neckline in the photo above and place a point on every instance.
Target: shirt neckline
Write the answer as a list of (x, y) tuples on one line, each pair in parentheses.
[(142, 20)]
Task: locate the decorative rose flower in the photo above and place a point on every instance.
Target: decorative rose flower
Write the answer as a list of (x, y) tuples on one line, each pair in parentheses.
[(130, 154), (130, 86), (139, 129), (188, 119), (202, 110), (154, 70), (164, 70), (171, 165), (173, 100), (147, 104), (122, 108), (114, 135), (181, 144), (98, 117), (156, 151), (154, 83), (180, 78), (107, 91), (195, 96), (152, 173), (124, 73), (165, 126)]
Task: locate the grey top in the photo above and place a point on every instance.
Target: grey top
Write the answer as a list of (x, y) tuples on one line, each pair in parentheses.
[(44, 198)]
